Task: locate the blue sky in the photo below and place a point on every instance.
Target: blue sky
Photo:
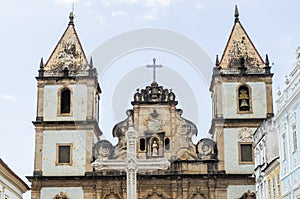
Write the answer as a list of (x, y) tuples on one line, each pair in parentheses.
[(30, 30)]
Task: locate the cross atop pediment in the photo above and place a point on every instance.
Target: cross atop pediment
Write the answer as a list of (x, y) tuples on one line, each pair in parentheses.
[(154, 66)]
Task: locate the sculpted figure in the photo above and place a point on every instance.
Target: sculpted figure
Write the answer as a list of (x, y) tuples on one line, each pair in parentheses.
[(154, 149)]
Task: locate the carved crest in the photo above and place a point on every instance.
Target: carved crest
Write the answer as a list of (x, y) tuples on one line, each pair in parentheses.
[(61, 195), (154, 122), (206, 149), (246, 135)]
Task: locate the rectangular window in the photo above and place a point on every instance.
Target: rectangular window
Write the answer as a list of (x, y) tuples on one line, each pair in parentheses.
[(269, 189), (294, 137), (283, 147), (64, 154), (246, 152), (274, 187), (278, 184)]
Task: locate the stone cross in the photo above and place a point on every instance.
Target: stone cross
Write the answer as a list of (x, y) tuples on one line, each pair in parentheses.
[(154, 66), (131, 164)]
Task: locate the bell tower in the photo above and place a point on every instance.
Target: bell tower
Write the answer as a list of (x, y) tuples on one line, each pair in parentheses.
[(241, 90), (66, 124)]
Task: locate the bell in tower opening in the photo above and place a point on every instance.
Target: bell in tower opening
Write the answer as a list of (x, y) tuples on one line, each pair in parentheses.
[(244, 99)]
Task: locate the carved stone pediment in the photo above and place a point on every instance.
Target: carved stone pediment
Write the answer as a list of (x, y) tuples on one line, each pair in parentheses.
[(67, 54)]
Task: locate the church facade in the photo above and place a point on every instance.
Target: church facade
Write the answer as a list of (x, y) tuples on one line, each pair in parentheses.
[(72, 161)]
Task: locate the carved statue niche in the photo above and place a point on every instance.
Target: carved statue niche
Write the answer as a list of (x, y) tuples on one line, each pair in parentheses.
[(154, 148), (119, 131), (102, 150), (206, 149)]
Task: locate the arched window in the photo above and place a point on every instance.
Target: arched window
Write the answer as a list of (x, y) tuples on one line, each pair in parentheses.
[(65, 101), (167, 144), (142, 144), (244, 98)]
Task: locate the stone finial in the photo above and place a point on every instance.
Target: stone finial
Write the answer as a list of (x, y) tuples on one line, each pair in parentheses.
[(267, 63), (41, 70), (71, 17), (42, 64), (217, 61), (91, 65), (236, 14)]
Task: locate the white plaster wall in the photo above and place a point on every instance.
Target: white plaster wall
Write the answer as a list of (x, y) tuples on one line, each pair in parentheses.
[(72, 192), (236, 191), (78, 140), (78, 100), (258, 91), (231, 154)]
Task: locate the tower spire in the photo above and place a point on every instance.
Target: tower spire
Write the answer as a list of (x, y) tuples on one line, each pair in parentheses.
[(42, 64), (217, 61), (267, 63), (91, 65), (71, 17), (236, 14)]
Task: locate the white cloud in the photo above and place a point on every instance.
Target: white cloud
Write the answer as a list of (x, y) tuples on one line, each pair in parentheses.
[(67, 2), (109, 3), (148, 9), (199, 6), (119, 13), (150, 17), (8, 98), (157, 3), (100, 19)]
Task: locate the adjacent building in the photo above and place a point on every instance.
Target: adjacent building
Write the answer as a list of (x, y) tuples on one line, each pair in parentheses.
[(267, 165), (288, 124), (11, 186)]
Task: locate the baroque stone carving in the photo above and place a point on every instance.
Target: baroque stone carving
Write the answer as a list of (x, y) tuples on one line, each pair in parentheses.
[(245, 135), (154, 94), (154, 122), (197, 193), (248, 195), (119, 131), (61, 195), (206, 149), (102, 149), (156, 193), (240, 50), (112, 195)]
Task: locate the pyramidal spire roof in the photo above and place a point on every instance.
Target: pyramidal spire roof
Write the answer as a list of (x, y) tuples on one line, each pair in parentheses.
[(68, 53), (239, 46)]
